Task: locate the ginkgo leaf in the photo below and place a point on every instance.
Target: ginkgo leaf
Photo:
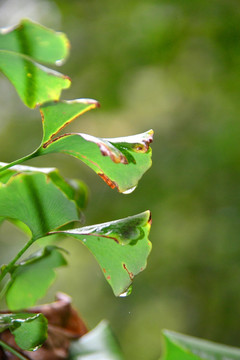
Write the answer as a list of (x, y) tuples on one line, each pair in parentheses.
[(56, 115), (121, 248), (36, 41), (183, 347), (41, 199), (19, 47), (74, 189), (120, 162), (31, 278), (29, 330)]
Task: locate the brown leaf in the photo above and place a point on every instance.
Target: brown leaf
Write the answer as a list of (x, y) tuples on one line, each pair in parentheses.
[(64, 325)]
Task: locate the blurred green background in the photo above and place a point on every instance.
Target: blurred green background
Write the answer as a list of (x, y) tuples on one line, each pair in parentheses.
[(173, 66)]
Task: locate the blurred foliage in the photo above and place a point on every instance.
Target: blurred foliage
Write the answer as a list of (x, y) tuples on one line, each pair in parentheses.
[(172, 66)]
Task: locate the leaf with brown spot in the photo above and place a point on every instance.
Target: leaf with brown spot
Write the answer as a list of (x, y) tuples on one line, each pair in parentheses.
[(120, 162), (121, 248)]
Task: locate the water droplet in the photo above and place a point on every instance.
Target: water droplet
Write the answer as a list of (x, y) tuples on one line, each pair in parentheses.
[(59, 62), (36, 348), (129, 191), (127, 292)]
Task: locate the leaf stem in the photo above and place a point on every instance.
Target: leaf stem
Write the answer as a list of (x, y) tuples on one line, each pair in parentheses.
[(8, 267), (12, 350), (19, 161)]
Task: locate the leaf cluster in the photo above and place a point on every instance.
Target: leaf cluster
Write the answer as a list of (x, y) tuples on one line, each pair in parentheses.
[(43, 204)]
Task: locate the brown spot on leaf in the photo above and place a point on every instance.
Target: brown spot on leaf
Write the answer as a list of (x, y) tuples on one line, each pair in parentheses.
[(150, 219), (107, 180), (108, 277), (104, 270), (129, 272)]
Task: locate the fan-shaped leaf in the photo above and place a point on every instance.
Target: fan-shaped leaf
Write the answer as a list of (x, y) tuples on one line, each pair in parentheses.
[(29, 41), (41, 199), (56, 115), (121, 248), (120, 162)]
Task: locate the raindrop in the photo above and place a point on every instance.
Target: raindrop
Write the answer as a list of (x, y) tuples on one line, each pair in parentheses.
[(59, 62), (129, 191), (127, 292), (36, 348)]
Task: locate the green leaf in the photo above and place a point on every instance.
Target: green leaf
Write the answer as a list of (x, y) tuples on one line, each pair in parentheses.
[(31, 279), (21, 45), (121, 248), (120, 162), (40, 198), (36, 41), (56, 115), (183, 347), (29, 330), (97, 344)]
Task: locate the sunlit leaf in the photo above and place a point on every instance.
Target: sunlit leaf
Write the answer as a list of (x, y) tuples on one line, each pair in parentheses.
[(183, 347), (97, 344), (19, 47), (31, 279), (121, 248), (36, 41), (73, 188), (120, 162), (41, 199), (56, 115), (29, 330)]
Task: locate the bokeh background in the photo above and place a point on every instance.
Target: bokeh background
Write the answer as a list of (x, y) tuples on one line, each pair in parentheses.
[(173, 66)]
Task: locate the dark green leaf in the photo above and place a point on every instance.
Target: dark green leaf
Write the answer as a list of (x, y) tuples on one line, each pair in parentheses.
[(42, 199), (29, 330), (120, 162), (21, 45), (97, 344), (31, 278), (183, 347), (121, 248)]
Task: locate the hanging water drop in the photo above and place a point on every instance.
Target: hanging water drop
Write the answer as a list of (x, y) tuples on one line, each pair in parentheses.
[(129, 191), (127, 292)]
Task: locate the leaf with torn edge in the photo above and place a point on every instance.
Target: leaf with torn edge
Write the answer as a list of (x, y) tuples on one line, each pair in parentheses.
[(99, 343), (31, 278), (38, 197), (121, 248), (20, 47), (29, 330), (183, 347)]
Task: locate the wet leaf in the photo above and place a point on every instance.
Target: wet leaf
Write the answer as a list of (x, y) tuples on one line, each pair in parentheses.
[(183, 347), (40, 198), (19, 47), (120, 162), (97, 344), (121, 248), (29, 330), (31, 278)]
